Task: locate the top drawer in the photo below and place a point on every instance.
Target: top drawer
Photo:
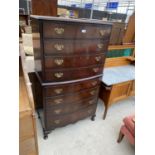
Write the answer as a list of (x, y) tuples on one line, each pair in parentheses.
[(75, 30)]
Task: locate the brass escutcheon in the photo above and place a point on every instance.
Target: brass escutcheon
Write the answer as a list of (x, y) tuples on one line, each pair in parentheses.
[(58, 101), (58, 90), (94, 83), (59, 47), (98, 58), (57, 111), (102, 32), (58, 75), (59, 61), (57, 121), (100, 46), (59, 30), (95, 70), (92, 92)]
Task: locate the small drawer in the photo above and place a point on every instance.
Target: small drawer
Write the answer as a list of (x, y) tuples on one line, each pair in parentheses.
[(69, 108), (72, 74), (71, 88), (67, 47), (62, 120), (57, 62), (72, 98), (63, 30)]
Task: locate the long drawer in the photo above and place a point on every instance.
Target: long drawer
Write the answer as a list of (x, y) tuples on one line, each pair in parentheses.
[(58, 121), (72, 98), (71, 88), (61, 46), (69, 108), (72, 74), (56, 62), (75, 30)]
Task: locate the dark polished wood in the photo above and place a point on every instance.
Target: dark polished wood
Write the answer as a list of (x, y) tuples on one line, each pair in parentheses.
[(60, 109), (69, 58), (62, 120), (44, 7), (71, 61), (71, 98), (71, 88), (72, 74), (80, 31), (67, 47)]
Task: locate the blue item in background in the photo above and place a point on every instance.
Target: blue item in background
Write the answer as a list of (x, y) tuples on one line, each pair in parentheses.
[(112, 5), (88, 5), (73, 5)]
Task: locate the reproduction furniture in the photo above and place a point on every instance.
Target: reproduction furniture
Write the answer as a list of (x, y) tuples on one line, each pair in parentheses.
[(44, 7), (128, 129), (117, 33), (27, 125), (69, 58)]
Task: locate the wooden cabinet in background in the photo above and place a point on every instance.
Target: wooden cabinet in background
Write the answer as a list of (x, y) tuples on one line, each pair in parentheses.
[(116, 92), (117, 33), (129, 36), (28, 144), (44, 7), (132, 89)]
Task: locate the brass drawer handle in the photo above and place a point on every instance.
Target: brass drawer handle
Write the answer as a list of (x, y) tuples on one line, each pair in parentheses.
[(95, 70), (98, 58), (100, 46), (58, 90), (91, 102), (57, 121), (58, 101), (59, 47), (94, 83), (57, 111), (58, 75), (59, 61), (92, 92), (59, 30), (89, 111), (102, 32)]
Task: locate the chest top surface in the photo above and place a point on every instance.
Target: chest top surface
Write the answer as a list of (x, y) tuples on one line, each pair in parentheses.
[(70, 20)]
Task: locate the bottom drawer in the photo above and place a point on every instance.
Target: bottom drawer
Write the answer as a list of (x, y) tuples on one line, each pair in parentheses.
[(59, 121), (70, 108)]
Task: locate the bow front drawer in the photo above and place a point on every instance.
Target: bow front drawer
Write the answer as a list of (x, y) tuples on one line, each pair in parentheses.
[(62, 120), (63, 30), (60, 46), (61, 62), (72, 98), (72, 74), (69, 108), (71, 88)]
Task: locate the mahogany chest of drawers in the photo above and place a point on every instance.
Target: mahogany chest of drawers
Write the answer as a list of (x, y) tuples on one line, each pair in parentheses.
[(69, 59)]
